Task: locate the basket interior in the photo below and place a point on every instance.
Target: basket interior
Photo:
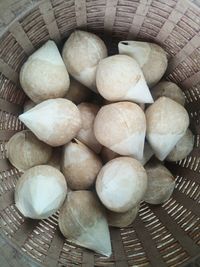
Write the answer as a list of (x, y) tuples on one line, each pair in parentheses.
[(160, 236)]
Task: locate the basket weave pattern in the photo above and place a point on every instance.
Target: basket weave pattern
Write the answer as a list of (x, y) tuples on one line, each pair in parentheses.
[(160, 236)]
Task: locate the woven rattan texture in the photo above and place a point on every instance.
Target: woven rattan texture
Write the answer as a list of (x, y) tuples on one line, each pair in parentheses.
[(160, 236)]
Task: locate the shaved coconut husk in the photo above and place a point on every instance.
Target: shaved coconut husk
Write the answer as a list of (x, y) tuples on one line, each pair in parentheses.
[(82, 221), (119, 77), (54, 121), (167, 122), (161, 183), (121, 127), (151, 58), (124, 219), (80, 165), (168, 89), (40, 192), (121, 184), (86, 135), (107, 154), (24, 150), (29, 104), (77, 92), (44, 75), (183, 148), (55, 159), (81, 53)]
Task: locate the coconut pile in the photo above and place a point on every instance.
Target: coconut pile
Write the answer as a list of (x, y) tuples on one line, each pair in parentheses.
[(98, 130)]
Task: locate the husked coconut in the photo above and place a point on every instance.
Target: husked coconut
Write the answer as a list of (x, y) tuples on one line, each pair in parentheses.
[(82, 221), (44, 75), (54, 121)]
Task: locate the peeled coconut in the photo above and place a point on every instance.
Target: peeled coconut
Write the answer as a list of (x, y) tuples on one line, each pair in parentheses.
[(77, 92), (44, 75), (161, 183), (121, 127), (119, 77), (80, 165), (81, 53), (121, 184), (167, 122), (151, 58), (54, 121), (82, 221), (107, 154), (55, 159), (123, 219), (86, 135), (40, 192), (29, 104), (24, 150), (168, 89), (148, 153), (182, 148)]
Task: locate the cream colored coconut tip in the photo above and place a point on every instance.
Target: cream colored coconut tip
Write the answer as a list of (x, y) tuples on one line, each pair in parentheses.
[(82, 221), (116, 128), (81, 53), (183, 148), (167, 122), (121, 184), (80, 165), (168, 89), (119, 77), (44, 75), (54, 121), (40, 192), (151, 58), (86, 135), (161, 183), (24, 150)]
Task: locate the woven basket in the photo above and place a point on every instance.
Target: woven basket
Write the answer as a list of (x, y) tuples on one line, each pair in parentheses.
[(160, 236)]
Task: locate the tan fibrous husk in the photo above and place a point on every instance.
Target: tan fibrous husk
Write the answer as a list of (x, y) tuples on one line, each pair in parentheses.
[(80, 165), (44, 75), (54, 121), (81, 53), (124, 219), (86, 135), (116, 128), (183, 148), (168, 89), (121, 184), (29, 104), (40, 192), (151, 58), (82, 220), (120, 78), (161, 183), (24, 150), (167, 122), (77, 92)]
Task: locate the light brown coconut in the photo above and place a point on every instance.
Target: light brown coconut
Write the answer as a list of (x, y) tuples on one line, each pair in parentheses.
[(124, 219), (44, 75), (167, 122), (121, 184), (151, 58), (86, 135), (82, 221), (40, 192), (80, 165), (183, 148), (161, 183), (120, 78), (168, 89), (77, 92), (24, 150), (54, 121), (81, 53), (121, 127)]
